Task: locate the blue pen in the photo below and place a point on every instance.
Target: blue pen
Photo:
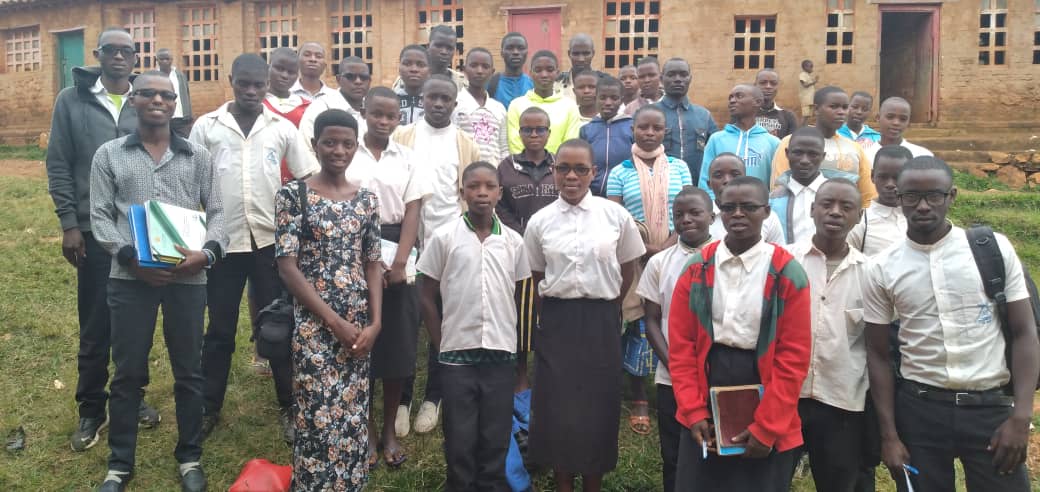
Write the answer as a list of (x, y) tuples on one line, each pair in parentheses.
[(911, 469)]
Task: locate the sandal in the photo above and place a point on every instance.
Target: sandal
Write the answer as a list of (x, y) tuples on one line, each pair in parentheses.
[(394, 460), (640, 424)]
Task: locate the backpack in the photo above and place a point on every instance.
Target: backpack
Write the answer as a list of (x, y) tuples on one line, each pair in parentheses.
[(990, 263)]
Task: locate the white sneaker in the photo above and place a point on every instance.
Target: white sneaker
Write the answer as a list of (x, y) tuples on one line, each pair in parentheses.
[(401, 423), (429, 413)]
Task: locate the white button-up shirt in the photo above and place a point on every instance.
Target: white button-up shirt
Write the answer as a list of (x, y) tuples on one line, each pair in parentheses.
[(102, 96), (249, 170), (656, 285), (395, 178), (736, 303), (477, 283), (949, 332), (915, 150), (800, 217), (334, 100), (838, 367), (486, 124), (178, 112), (297, 88), (581, 247), (772, 230), (883, 225)]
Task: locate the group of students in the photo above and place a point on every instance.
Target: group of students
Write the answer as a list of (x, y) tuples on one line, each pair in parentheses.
[(553, 213)]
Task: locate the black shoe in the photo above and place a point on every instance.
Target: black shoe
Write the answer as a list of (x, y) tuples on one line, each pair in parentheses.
[(88, 433), (209, 422), (285, 419), (192, 478), (147, 417), (115, 481)]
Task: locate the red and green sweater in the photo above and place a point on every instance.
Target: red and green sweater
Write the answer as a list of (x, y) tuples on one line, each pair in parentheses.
[(783, 347)]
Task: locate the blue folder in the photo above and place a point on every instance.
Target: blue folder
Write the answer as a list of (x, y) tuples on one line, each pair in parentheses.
[(139, 235)]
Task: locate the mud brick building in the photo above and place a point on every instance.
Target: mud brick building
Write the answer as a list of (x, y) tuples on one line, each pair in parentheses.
[(961, 62)]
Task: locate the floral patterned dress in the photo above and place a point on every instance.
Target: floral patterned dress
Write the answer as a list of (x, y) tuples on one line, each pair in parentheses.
[(330, 387)]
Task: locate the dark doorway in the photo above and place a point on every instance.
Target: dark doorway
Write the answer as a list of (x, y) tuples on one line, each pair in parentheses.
[(909, 58)]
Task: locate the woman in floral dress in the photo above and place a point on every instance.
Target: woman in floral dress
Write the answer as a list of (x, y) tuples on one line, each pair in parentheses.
[(332, 267)]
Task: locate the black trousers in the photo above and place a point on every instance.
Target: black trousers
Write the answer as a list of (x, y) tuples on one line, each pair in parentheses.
[(95, 330), (227, 280), (669, 430), (834, 441), (478, 421), (134, 306), (732, 473), (936, 433), (433, 390)]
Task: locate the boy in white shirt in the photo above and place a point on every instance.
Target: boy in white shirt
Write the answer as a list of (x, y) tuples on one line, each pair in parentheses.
[(883, 222), (723, 168), (893, 120), (796, 188), (474, 265)]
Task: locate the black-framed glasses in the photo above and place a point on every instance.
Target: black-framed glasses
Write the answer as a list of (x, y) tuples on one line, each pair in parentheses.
[(728, 208), (351, 77), (578, 170), (151, 93), (534, 130), (111, 50), (933, 198)]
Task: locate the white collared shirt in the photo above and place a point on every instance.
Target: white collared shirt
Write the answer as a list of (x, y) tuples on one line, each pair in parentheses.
[(439, 151), (249, 170), (477, 285), (915, 150), (334, 100), (581, 247), (176, 81), (884, 225), (949, 332), (486, 124), (772, 230), (738, 280), (802, 198), (102, 96), (838, 366), (656, 285), (297, 88), (395, 178), (284, 104)]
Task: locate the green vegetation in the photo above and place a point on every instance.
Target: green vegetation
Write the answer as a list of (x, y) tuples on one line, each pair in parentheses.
[(28, 152)]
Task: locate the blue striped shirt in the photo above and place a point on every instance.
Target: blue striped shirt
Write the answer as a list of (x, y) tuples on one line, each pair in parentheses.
[(624, 182)]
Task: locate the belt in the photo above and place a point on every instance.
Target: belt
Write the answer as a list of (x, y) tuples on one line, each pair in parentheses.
[(987, 398)]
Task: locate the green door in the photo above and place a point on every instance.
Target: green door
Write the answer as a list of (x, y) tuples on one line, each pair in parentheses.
[(70, 54)]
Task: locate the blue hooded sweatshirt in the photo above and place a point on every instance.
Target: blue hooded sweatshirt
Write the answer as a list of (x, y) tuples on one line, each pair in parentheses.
[(755, 147), (611, 143)]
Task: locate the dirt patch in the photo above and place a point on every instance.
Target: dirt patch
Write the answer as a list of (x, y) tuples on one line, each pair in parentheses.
[(22, 168)]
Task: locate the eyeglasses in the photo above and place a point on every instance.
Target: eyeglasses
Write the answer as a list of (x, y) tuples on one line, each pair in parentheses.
[(933, 198), (111, 50), (534, 130), (578, 170), (728, 208), (150, 94), (356, 76)]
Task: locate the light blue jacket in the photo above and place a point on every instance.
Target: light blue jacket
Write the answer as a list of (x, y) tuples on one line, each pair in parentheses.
[(755, 147)]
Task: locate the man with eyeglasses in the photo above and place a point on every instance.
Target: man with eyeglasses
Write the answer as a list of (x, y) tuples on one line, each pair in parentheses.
[(354, 80), (87, 115), (958, 395), (155, 164), (182, 116)]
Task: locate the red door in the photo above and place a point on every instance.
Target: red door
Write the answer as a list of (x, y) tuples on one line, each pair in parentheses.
[(541, 27)]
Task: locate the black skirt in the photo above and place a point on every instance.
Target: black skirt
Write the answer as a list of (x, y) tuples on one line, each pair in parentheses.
[(393, 353), (576, 399)]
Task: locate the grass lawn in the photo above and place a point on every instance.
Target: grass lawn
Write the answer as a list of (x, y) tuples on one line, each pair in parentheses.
[(38, 342)]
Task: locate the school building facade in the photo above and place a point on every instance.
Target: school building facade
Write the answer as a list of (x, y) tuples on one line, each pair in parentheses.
[(960, 62)]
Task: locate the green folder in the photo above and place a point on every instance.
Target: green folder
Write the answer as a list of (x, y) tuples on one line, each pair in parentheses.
[(170, 226)]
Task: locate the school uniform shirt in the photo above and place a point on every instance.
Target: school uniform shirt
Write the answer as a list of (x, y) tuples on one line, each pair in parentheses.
[(485, 124), (739, 278), (396, 178), (325, 90), (477, 283), (843, 156), (915, 150), (838, 368), (656, 285), (581, 247), (624, 182), (949, 331), (249, 170), (881, 225), (772, 230), (564, 119), (325, 103), (796, 209), (439, 147)]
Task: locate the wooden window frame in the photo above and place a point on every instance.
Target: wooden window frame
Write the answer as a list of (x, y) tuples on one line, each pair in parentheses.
[(351, 29), (430, 13), (277, 26), (24, 43), (1036, 32), (632, 35), (140, 23), (194, 59), (840, 32), (993, 33), (745, 37)]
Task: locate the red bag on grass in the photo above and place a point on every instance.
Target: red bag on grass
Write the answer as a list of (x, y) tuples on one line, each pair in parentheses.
[(260, 475)]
